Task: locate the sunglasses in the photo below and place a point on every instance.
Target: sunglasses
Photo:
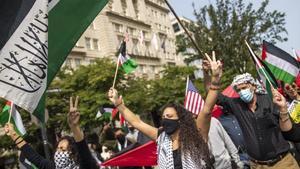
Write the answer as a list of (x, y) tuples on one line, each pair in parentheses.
[(292, 86)]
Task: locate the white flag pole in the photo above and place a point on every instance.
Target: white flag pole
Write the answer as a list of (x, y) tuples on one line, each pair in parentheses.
[(187, 83), (257, 62), (10, 111), (116, 72)]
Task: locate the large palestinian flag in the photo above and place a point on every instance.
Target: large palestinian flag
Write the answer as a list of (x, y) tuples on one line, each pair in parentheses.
[(283, 66)]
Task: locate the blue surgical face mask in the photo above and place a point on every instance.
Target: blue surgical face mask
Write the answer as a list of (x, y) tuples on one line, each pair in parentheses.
[(246, 95)]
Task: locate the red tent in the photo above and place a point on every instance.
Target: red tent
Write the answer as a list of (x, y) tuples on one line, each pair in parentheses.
[(230, 92), (144, 155)]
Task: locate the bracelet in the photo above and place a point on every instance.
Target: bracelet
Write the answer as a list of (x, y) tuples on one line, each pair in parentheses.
[(284, 120), (215, 83), (17, 139), (213, 87), (118, 105), (19, 142)]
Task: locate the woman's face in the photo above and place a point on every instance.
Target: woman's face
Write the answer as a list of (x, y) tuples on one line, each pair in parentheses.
[(291, 90), (63, 145), (170, 113)]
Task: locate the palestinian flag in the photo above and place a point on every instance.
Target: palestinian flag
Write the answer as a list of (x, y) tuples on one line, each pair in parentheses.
[(264, 73), (125, 62), (16, 119), (284, 66)]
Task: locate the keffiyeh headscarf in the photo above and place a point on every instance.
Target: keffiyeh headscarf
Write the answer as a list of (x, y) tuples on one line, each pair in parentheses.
[(247, 78), (165, 155), (63, 161), (243, 78)]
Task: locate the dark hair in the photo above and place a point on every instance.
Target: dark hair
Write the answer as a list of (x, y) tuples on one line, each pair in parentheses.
[(190, 138), (72, 147)]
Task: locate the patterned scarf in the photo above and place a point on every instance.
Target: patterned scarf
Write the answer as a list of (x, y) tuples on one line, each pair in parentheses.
[(165, 155), (63, 161)]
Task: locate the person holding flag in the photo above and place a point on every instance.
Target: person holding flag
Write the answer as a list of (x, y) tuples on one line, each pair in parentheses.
[(259, 119), (183, 141)]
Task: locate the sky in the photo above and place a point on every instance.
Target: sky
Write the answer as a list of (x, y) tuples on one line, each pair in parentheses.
[(290, 7)]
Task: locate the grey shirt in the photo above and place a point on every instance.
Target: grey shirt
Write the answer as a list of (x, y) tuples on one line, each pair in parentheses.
[(222, 147)]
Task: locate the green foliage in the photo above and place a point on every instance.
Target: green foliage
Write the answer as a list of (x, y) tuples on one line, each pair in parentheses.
[(91, 83), (224, 26)]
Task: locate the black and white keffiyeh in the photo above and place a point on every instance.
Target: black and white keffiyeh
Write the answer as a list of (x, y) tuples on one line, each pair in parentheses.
[(63, 161), (165, 155)]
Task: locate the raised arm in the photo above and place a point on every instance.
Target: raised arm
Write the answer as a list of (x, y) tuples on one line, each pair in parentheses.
[(86, 159), (136, 122), (285, 122), (203, 120), (27, 151)]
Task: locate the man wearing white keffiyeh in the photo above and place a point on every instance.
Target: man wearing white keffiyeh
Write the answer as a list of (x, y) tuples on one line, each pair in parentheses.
[(182, 144)]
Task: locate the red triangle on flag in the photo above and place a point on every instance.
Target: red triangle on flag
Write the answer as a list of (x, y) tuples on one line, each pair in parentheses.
[(114, 113)]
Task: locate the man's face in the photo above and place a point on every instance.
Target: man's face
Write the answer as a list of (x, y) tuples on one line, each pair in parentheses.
[(244, 86)]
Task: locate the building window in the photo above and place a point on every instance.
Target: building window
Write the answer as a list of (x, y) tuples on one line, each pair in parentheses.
[(135, 49), (124, 6), (136, 8), (119, 41), (176, 27), (147, 51), (88, 43), (152, 69), (118, 27), (131, 31), (96, 44), (77, 62)]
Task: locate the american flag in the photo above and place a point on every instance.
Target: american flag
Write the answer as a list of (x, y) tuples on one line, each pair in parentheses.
[(193, 101)]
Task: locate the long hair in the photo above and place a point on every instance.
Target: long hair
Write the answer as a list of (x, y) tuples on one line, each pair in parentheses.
[(190, 138), (72, 148)]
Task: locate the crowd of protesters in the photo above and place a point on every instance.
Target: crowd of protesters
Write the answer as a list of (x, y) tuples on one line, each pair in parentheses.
[(255, 130)]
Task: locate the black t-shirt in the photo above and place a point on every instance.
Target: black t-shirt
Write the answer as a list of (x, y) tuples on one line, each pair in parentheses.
[(177, 159)]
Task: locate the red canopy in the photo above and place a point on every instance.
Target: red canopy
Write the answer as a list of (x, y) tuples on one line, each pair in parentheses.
[(230, 92), (144, 155)]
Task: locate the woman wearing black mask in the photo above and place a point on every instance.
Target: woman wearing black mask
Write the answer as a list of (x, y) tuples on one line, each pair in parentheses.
[(183, 143)]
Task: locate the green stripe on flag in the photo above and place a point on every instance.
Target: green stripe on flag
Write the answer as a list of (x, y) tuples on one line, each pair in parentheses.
[(68, 19), (129, 66), (281, 74)]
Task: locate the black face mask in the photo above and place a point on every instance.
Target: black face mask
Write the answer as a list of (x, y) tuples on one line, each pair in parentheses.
[(170, 125)]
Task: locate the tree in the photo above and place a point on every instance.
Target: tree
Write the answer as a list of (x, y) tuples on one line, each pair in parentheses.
[(223, 27)]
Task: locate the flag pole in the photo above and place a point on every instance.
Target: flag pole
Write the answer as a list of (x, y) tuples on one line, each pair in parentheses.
[(187, 83), (116, 72), (185, 30), (255, 59), (10, 111)]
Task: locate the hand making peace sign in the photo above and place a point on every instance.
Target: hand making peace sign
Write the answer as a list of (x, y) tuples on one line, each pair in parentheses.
[(73, 115), (214, 65)]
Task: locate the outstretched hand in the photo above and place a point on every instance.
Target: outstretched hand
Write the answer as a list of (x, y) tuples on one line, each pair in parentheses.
[(279, 100), (214, 65), (73, 115), (114, 97)]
